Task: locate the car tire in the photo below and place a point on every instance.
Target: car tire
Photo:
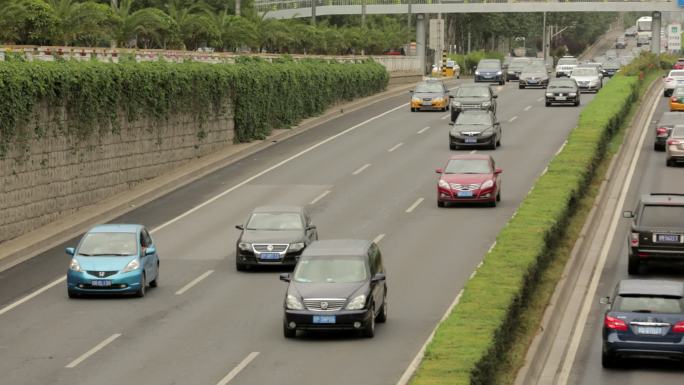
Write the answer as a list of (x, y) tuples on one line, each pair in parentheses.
[(369, 330), (382, 315), (548, 104), (493, 145), (608, 360), (452, 147), (441, 203), (498, 196), (287, 332), (501, 83), (520, 86), (240, 266), (413, 109), (72, 294), (669, 163), (657, 147), (633, 265), (454, 115), (498, 142), (492, 203), (155, 282), (143, 287)]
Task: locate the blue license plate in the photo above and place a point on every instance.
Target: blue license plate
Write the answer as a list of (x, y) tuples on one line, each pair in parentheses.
[(471, 140), (464, 194), (532, 81), (667, 238), (269, 256), (324, 319), (101, 283)]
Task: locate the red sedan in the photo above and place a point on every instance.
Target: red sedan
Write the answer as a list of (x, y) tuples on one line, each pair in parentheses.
[(679, 65), (469, 178)]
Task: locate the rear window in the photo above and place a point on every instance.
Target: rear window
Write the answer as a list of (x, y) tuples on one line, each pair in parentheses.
[(489, 65), (648, 304), (677, 132), (677, 74), (567, 61), (662, 216)]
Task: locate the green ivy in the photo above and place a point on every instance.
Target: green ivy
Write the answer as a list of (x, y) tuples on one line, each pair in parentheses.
[(94, 95)]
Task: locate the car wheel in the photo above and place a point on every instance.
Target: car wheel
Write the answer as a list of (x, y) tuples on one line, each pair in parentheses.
[(369, 330), (492, 203), (452, 146), (656, 147), (413, 109), (548, 104), (155, 282), (72, 294), (143, 287), (441, 203), (498, 142), (633, 265), (520, 86), (608, 360), (382, 316), (669, 163), (240, 266), (454, 115), (492, 146), (498, 196), (501, 83), (287, 332), (577, 102)]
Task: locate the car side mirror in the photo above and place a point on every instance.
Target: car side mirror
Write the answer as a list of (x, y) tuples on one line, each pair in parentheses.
[(498, 171), (627, 214), (605, 301), (451, 96), (150, 250), (285, 277), (240, 227), (378, 277), (70, 250), (495, 96), (410, 91), (439, 171), (451, 123), (311, 227)]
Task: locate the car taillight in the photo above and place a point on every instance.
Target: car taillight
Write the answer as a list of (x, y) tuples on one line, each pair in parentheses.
[(674, 99), (635, 239), (661, 130), (678, 327), (669, 79), (673, 142), (615, 323)]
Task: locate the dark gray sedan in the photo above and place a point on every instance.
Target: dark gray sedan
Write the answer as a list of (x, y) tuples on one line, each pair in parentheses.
[(475, 128), (562, 91)]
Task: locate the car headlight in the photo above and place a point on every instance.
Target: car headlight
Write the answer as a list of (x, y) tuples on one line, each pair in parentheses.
[(499, 73), (245, 246), (296, 246), (457, 104), (132, 265), (293, 303), (357, 303), (443, 184), (487, 184), (486, 104), (572, 94), (549, 94), (74, 265), (477, 72), (415, 99), (487, 132), (438, 100)]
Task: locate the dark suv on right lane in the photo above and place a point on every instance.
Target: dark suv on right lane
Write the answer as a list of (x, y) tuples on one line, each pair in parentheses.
[(472, 96), (657, 232)]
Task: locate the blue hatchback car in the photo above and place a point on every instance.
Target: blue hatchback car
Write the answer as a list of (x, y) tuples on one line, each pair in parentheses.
[(113, 259)]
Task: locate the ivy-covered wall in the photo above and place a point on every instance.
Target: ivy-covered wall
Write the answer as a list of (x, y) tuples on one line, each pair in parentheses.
[(74, 133)]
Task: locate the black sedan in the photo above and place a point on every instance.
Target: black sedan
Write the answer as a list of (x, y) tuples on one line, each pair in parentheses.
[(337, 285), (274, 236), (475, 128), (663, 128), (645, 318), (562, 91)]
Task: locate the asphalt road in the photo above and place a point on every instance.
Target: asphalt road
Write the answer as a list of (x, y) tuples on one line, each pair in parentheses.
[(651, 175), (227, 327)]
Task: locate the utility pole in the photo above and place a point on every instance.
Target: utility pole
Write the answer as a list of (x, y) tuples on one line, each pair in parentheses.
[(544, 37), (363, 13), (313, 12), (237, 7)]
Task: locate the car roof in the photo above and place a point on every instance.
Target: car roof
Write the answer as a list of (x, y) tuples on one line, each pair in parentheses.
[(662, 198), (278, 209), (469, 156), (654, 287), (335, 247), (116, 228)]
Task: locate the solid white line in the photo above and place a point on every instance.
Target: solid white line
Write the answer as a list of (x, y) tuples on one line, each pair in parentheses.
[(474, 151), (32, 295), (490, 249), (360, 169), (379, 238), (275, 166), (561, 148), (395, 147), (194, 282), (250, 357), (446, 116), (318, 198), (423, 130), (528, 108), (93, 350), (598, 270), (513, 118), (414, 205), (413, 366)]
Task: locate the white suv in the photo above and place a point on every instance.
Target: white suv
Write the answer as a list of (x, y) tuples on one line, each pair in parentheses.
[(565, 66), (672, 80)]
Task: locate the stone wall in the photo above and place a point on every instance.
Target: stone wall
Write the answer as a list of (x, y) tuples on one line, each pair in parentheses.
[(59, 174)]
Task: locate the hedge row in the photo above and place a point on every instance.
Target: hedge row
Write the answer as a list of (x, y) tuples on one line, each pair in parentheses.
[(94, 94), (471, 343)]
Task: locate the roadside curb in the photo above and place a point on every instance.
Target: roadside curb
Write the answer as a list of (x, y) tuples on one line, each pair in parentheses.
[(29, 245), (548, 348)]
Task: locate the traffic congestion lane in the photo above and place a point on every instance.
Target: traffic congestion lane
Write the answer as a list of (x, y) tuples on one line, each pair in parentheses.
[(651, 176)]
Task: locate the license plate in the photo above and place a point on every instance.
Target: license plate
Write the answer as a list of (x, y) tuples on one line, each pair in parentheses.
[(324, 319), (101, 283), (667, 238), (471, 140), (561, 98), (654, 331), (464, 194), (427, 103), (488, 76), (269, 256), (532, 81)]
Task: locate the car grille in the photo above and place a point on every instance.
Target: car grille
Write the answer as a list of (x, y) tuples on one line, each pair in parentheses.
[(583, 84), (324, 304), (101, 274), (275, 248), (427, 99), (471, 106), (465, 187)]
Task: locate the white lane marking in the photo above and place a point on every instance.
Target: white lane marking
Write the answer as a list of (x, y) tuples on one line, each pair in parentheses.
[(528, 108), (546, 169), (32, 295), (250, 357), (379, 238), (413, 366), (92, 351), (561, 148), (275, 166), (395, 147), (360, 169), (540, 99), (414, 205), (423, 130), (194, 282), (513, 118), (598, 270), (474, 151), (446, 116), (490, 250), (318, 198)]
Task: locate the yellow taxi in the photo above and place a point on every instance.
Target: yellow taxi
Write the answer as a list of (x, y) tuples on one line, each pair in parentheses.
[(431, 95), (677, 99)]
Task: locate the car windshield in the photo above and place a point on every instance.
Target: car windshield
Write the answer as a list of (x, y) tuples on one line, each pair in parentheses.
[(677, 132), (275, 221), (648, 304), (110, 244), (535, 68), (331, 270), (567, 61), (662, 216), (679, 91), (429, 87), (561, 84), (465, 118), (472, 92), (584, 72), (489, 65), (519, 64), (468, 166), (676, 74)]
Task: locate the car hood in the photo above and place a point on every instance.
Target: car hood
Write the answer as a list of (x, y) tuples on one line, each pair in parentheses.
[(431, 95), (327, 290), (466, 178), (585, 78), (272, 236), (488, 70), (104, 263), (470, 100), (541, 75), (459, 128)]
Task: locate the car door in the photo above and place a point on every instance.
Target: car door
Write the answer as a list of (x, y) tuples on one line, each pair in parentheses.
[(148, 261), (311, 234), (376, 287)]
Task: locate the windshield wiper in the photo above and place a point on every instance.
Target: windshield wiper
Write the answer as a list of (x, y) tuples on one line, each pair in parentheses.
[(110, 254), (85, 255), (642, 311)]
